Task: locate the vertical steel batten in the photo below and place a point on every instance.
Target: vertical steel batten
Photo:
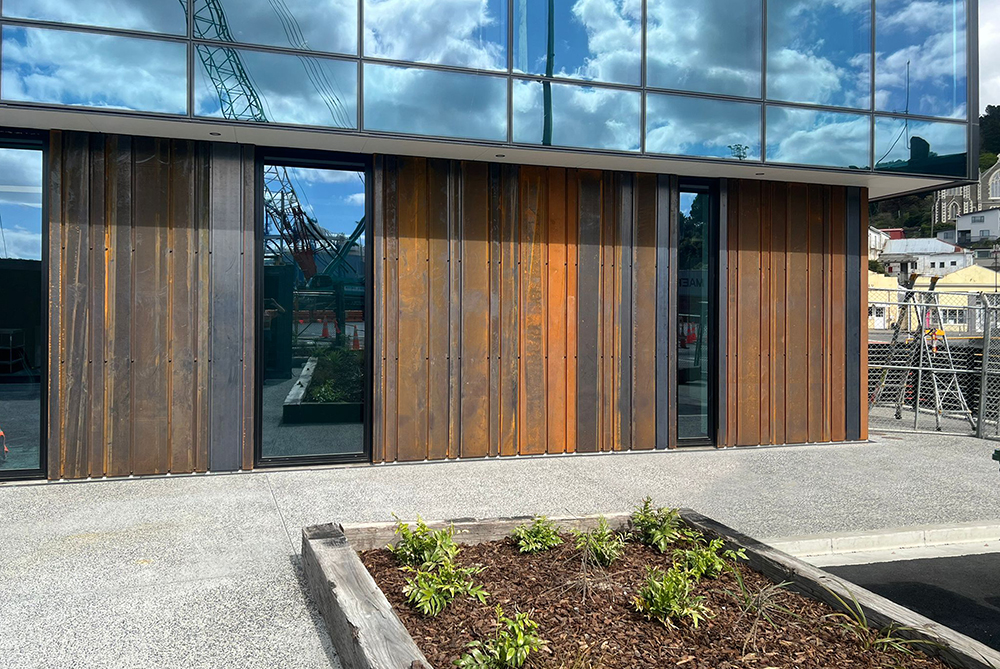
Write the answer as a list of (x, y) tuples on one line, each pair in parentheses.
[(722, 315)]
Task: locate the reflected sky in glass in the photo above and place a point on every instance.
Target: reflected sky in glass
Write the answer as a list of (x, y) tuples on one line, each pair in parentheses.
[(687, 126), (335, 198), (465, 33), (69, 68), (819, 52), (707, 46), (922, 147), (582, 116), (920, 66), (310, 25), (21, 204), (161, 16), (599, 40), (299, 90), (822, 139), (431, 102)]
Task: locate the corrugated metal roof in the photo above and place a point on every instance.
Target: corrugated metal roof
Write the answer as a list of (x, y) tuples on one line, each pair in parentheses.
[(921, 246)]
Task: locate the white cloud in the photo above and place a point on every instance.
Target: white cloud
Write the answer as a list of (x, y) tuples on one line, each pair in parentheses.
[(355, 199), (989, 53), (19, 242), (21, 177)]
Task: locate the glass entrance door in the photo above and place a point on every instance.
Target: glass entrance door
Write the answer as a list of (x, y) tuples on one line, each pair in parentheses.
[(314, 306), (696, 240)]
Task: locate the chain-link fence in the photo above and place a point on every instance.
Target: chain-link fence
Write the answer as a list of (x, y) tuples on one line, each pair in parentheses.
[(927, 369)]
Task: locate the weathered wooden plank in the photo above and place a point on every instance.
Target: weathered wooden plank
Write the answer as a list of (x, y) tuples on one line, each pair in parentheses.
[(509, 314), (572, 302), (748, 312), (97, 358), (495, 223), (391, 200), (766, 411), (456, 175), (377, 340), (225, 447), (838, 327), (75, 381), (413, 309), (150, 308), (54, 340), (248, 247), (644, 334), (477, 313), (439, 203), (182, 274), (556, 311), (797, 318), (532, 210), (120, 168), (202, 302), (588, 313), (779, 262), (816, 325)]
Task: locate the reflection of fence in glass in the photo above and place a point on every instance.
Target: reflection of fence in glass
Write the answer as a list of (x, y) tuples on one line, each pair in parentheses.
[(926, 353)]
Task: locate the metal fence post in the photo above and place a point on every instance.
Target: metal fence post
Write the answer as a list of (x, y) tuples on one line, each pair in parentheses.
[(984, 364)]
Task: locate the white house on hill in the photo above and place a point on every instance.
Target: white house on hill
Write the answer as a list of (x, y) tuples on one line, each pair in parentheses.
[(926, 257)]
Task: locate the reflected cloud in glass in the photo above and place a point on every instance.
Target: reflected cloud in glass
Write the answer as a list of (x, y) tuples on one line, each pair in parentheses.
[(822, 139), (920, 67), (465, 33), (432, 102), (582, 116), (921, 147), (282, 88), (819, 52), (687, 126), (309, 25), (86, 69), (708, 46), (160, 16), (598, 40), (21, 204)]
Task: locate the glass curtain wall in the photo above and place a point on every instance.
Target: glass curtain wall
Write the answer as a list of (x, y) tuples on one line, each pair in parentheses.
[(22, 303), (313, 313), (807, 83), (696, 239)]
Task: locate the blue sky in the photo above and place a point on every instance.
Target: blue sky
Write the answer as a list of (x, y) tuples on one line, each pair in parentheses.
[(335, 198), (21, 204)]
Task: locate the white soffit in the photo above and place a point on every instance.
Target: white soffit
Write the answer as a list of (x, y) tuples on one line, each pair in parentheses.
[(879, 185)]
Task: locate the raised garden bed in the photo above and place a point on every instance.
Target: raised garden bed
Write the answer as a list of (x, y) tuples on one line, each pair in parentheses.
[(328, 390), (592, 621)]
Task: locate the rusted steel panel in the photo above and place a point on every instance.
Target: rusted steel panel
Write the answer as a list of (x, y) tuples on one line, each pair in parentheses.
[(644, 316), (202, 305), (248, 305), (838, 327), (440, 199), (496, 204), (748, 312), (608, 354), (532, 368), (478, 391), (625, 192), (510, 335), (391, 201), (779, 278), (572, 304), (733, 332), (797, 304), (96, 357), (377, 338), (589, 313), (815, 340), (556, 312), (766, 316), (454, 240)]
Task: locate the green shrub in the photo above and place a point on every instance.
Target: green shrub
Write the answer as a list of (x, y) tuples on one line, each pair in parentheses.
[(512, 643), (423, 547), (601, 545), (669, 597), (432, 590), (339, 376), (657, 527), (706, 561), (540, 535)]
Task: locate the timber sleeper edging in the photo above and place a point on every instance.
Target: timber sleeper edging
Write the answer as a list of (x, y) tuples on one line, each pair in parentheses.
[(368, 634)]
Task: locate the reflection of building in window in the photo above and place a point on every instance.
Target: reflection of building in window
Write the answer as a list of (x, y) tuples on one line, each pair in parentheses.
[(995, 187), (953, 316)]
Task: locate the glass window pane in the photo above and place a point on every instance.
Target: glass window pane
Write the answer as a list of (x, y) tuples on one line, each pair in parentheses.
[(22, 340), (694, 309), (70, 68), (275, 88), (578, 116), (314, 338), (466, 33), (160, 16), (709, 46), (920, 66), (310, 25), (599, 41), (824, 139), (431, 102), (687, 126), (819, 52), (904, 145)]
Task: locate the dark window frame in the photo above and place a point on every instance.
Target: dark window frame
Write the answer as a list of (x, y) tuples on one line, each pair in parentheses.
[(317, 160), (39, 141)]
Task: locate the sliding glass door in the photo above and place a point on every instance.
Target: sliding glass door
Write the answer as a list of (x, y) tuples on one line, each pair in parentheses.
[(312, 277)]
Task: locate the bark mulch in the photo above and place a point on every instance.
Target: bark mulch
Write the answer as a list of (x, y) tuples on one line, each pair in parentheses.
[(599, 627)]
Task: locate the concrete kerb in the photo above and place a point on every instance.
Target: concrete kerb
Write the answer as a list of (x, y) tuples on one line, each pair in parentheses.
[(922, 536), (368, 634)]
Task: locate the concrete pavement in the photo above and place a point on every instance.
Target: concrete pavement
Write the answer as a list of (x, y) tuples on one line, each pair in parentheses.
[(202, 571)]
